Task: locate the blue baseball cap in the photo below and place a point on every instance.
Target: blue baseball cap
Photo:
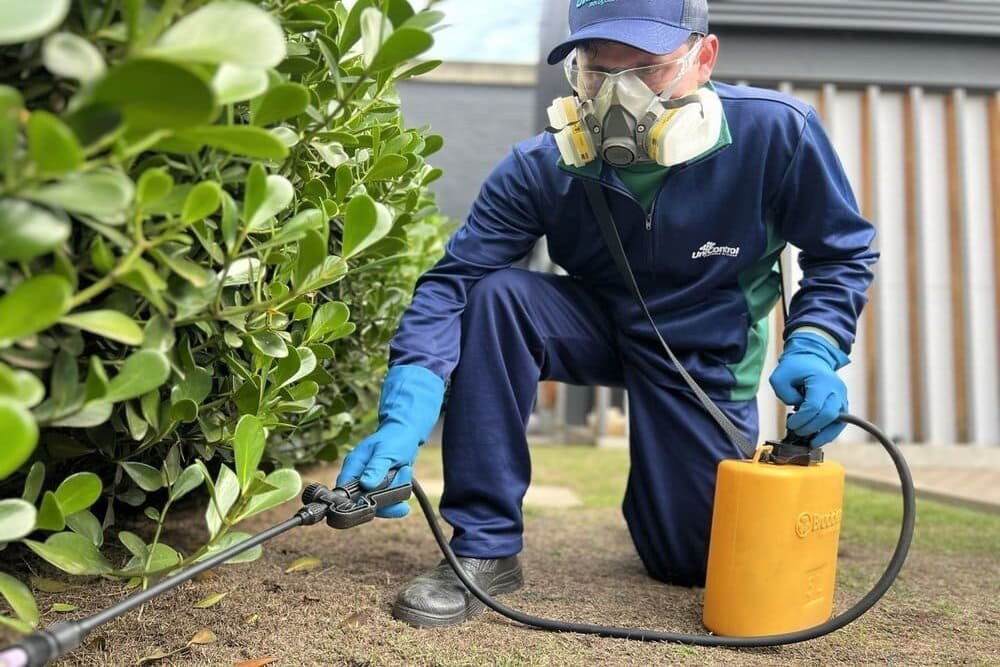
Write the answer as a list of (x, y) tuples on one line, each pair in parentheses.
[(655, 26)]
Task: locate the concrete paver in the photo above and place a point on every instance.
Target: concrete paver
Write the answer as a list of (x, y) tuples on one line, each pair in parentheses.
[(538, 495), (958, 474)]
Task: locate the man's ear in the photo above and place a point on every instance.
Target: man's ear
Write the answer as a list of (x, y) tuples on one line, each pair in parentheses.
[(707, 58)]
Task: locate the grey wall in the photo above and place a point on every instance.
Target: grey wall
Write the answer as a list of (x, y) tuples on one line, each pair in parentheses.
[(479, 125)]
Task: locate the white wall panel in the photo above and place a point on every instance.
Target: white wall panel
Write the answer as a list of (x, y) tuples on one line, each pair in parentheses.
[(893, 350), (978, 271)]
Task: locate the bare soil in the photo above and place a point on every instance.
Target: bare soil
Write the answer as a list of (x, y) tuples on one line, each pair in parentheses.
[(579, 565)]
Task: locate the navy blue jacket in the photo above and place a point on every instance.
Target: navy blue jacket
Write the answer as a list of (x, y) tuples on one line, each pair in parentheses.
[(704, 258)]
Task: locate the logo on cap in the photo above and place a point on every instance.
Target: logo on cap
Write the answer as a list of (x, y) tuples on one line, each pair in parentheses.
[(591, 3)]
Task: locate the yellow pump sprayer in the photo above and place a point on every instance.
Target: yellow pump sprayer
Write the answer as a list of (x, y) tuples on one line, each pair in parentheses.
[(772, 558)]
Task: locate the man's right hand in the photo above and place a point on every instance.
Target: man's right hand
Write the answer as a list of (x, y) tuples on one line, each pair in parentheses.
[(408, 409)]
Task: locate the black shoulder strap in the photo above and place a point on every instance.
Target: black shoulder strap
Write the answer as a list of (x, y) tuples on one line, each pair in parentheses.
[(605, 220)]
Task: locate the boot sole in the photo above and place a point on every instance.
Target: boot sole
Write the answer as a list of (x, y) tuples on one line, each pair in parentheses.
[(505, 583)]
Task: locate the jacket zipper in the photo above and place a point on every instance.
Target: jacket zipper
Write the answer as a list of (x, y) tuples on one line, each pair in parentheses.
[(652, 209)]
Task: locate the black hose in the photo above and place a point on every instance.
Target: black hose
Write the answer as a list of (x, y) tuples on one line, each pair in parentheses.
[(877, 591)]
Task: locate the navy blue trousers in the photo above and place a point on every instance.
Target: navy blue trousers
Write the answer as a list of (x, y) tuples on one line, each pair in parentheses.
[(520, 327)]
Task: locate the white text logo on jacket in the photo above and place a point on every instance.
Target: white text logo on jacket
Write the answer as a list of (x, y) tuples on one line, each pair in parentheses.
[(711, 249)]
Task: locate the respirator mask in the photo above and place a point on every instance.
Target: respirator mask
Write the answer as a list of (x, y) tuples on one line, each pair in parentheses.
[(620, 116)]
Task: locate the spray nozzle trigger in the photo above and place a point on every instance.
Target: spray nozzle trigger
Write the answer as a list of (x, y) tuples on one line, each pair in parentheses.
[(349, 505)]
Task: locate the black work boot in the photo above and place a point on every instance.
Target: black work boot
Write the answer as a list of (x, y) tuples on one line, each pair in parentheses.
[(438, 598)]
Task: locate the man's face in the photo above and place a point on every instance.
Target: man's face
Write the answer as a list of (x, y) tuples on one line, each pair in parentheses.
[(658, 72)]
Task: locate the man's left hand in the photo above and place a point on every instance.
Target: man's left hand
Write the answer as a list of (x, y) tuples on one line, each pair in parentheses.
[(806, 379)]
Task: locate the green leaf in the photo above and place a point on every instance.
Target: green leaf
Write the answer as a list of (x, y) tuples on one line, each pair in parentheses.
[(233, 83), (375, 30), (238, 139), (203, 200), (78, 492), (91, 414), (110, 324), (86, 524), (47, 585), (332, 153), (285, 135), (156, 94), (196, 385), (146, 476), (33, 482), (153, 185), (402, 45), (20, 435), (101, 256), (305, 364), (21, 386), (282, 101), (94, 122), (255, 190), (388, 166), (100, 193), (19, 598), (142, 372), (189, 480), (270, 344), (252, 37), (243, 271), (23, 21), (11, 108), (248, 447), (210, 601), (312, 252), (70, 56), (365, 223), (184, 410), (52, 145), (162, 557), (62, 607), (286, 482), (227, 490), (330, 271), (50, 517), (27, 231), (328, 317), (194, 273), (425, 19), (34, 305), (96, 385), (71, 553), (303, 311), (417, 70), (133, 543), (278, 194), (17, 519)]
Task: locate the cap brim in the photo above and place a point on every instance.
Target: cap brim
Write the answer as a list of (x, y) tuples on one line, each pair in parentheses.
[(650, 36)]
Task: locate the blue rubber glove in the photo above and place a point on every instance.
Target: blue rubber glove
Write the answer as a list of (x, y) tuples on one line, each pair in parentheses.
[(409, 407), (806, 379)]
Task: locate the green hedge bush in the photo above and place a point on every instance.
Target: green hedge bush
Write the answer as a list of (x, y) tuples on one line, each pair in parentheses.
[(211, 217)]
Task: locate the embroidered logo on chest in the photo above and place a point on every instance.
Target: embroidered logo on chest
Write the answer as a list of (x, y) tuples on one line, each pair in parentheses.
[(711, 249)]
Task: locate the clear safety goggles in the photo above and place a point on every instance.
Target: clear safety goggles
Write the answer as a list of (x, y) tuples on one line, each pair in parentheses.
[(660, 78)]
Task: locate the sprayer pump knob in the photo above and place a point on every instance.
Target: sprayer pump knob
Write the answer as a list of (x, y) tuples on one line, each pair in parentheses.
[(312, 493)]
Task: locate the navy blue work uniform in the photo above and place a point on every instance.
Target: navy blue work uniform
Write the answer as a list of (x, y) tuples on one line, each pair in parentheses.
[(704, 257)]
